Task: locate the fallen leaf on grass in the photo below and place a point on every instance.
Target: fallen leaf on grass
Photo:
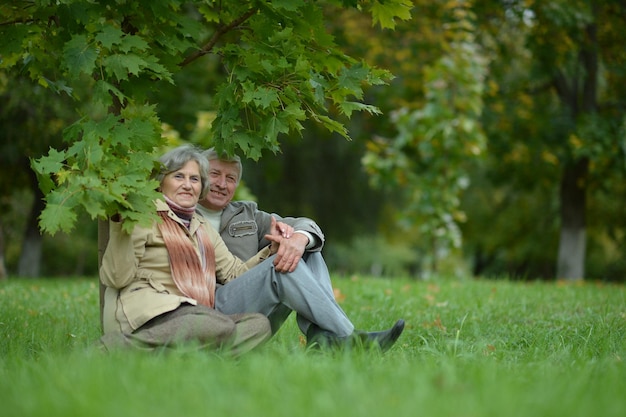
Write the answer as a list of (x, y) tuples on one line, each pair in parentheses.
[(489, 349), (339, 296), (433, 288), (435, 323)]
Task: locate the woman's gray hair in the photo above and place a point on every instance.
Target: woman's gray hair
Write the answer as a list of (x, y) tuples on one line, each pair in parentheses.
[(212, 155), (178, 157)]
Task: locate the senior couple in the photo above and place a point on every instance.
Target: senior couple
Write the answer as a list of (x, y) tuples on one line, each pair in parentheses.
[(217, 273)]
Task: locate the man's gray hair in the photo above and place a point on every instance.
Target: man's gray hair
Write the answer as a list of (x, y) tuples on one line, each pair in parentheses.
[(212, 155), (178, 157)]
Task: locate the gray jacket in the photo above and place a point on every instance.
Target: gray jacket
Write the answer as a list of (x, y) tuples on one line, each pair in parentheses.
[(243, 226)]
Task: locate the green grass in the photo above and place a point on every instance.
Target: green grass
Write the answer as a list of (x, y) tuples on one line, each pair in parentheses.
[(471, 348)]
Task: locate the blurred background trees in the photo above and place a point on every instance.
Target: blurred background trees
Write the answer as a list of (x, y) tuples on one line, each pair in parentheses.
[(500, 151)]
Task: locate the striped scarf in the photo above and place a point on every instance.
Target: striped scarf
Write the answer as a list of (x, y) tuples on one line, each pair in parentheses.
[(194, 276)]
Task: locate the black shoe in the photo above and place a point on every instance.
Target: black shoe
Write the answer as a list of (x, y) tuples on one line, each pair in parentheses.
[(320, 338), (384, 339)]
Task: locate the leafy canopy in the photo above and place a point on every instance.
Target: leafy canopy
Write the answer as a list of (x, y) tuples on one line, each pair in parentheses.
[(282, 67), (425, 162)]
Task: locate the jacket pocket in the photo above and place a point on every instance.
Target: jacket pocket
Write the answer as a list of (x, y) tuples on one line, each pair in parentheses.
[(158, 287), (243, 228), (145, 299)]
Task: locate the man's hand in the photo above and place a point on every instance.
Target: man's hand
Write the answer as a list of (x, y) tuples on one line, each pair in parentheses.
[(288, 246)]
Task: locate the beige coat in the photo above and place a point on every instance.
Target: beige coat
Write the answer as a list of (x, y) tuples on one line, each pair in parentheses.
[(136, 271)]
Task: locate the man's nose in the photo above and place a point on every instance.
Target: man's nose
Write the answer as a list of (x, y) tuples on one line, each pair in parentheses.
[(220, 182)]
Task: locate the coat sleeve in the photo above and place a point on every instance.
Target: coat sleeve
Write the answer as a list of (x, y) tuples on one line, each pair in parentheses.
[(121, 256), (263, 220)]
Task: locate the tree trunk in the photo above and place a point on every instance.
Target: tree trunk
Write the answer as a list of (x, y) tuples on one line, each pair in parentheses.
[(3, 269), (573, 239), (572, 243), (103, 240), (30, 257), (103, 225)]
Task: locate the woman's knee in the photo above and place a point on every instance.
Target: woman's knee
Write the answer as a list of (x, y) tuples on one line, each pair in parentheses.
[(206, 325), (252, 325)]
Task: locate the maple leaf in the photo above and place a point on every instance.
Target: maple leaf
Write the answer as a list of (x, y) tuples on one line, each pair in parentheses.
[(50, 164), (385, 12), (109, 36), (80, 56), (347, 107), (56, 217)]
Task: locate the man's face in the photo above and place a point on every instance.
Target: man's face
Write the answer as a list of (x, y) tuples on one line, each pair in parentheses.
[(223, 181)]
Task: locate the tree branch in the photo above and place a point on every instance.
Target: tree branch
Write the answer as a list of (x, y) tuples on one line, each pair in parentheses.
[(220, 31), (16, 21)]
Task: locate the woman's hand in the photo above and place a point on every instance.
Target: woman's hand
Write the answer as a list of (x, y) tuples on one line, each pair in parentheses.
[(275, 237), (283, 229)]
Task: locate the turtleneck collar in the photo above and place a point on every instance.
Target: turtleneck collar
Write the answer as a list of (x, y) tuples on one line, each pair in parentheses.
[(185, 213)]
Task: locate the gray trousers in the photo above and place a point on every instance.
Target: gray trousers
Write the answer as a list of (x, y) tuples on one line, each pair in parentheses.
[(307, 291)]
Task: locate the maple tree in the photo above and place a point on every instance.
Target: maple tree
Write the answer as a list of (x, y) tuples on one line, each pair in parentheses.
[(281, 68)]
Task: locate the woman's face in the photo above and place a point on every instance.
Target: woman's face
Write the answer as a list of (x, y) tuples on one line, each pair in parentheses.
[(184, 185)]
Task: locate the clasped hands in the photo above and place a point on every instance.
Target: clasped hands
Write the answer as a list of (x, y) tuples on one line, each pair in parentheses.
[(287, 245)]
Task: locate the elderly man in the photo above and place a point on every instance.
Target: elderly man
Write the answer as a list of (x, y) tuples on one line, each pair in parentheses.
[(243, 228)]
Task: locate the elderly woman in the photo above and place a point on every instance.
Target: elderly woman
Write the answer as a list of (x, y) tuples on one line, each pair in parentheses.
[(161, 280)]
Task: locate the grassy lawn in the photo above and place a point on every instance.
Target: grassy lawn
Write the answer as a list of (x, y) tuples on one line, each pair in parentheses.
[(471, 348)]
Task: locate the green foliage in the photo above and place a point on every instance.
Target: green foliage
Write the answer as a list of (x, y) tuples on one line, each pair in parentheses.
[(497, 348), (521, 238), (565, 38), (426, 162), (385, 13), (538, 104), (282, 68), (286, 70), (32, 121), (547, 109), (384, 260), (87, 173)]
